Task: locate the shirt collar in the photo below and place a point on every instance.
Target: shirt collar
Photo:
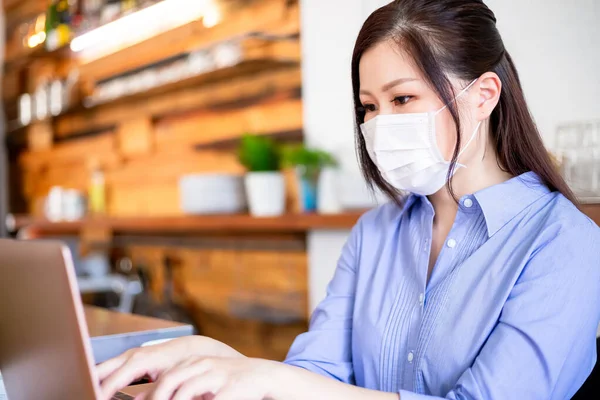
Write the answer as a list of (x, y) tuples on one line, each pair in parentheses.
[(410, 199), (501, 203)]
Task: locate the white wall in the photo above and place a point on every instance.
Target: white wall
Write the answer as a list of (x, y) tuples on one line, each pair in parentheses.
[(555, 44), (329, 29)]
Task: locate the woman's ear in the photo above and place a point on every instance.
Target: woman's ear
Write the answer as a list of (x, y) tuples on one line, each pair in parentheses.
[(488, 88)]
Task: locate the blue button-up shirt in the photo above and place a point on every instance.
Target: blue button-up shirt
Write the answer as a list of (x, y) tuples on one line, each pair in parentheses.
[(510, 311)]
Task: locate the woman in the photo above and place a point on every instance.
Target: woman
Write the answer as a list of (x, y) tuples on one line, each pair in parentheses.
[(483, 283)]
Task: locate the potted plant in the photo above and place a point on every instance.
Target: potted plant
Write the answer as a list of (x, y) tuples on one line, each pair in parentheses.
[(308, 164), (265, 186)]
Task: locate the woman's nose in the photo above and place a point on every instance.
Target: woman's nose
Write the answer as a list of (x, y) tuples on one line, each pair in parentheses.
[(385, 109)]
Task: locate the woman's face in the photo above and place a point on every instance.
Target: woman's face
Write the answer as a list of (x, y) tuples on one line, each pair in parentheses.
[(391, 84)]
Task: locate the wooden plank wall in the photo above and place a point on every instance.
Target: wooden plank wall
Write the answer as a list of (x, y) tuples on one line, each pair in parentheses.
[(250, 298), (145, 144), (141, 156), (253, 298)]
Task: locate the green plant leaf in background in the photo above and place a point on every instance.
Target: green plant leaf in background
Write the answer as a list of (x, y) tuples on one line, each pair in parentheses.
[(312, 161), (259, 154)]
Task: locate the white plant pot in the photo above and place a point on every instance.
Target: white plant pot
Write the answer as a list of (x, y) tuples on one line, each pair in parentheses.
[(328, 201), (266, 193)]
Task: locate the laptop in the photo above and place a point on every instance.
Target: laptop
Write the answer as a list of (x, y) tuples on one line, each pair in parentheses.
[(45, 350)]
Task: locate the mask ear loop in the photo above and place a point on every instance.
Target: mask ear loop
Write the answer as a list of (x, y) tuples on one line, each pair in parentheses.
[(467, 145), (457, 96), (470, 140), (478, 125)]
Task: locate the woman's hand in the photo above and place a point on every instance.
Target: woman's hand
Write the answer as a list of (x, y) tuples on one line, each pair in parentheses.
[(152, 361), (251, 379), (218, 379)]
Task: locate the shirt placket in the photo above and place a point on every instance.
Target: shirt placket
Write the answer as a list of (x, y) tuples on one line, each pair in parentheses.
[(447, 259), (417, 311)]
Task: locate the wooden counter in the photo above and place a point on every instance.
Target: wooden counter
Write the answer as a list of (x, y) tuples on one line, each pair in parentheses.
[(102, 322), (113, 333)]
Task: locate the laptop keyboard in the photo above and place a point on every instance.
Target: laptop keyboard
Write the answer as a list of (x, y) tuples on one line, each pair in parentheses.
[(122, 396)]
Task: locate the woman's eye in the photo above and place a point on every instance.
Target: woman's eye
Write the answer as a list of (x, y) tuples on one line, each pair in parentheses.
[(401, 100), (369, 107)]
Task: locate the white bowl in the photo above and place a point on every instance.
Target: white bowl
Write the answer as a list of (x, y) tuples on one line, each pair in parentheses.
[(212, 194)]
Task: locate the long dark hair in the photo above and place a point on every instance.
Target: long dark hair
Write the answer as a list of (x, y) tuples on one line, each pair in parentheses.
[(458, 38)]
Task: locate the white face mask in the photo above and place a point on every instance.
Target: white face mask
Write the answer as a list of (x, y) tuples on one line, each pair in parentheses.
[(404, 149)]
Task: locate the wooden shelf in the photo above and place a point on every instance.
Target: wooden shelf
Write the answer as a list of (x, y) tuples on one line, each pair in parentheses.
[(244, 68), (291, 223), (592, 209), (25, 56), (85, 116), (261, 16), (256, 56)]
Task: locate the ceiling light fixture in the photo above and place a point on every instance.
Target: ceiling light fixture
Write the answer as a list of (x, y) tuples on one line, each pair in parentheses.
[(142, 25)]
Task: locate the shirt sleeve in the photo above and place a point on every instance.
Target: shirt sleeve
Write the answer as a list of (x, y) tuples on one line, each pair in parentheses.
[(326, 348), (544, 346)]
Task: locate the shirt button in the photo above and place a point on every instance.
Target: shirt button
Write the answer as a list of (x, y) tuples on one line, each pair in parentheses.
[(468, 203), (451, 243), (421, 298), (410, 357)]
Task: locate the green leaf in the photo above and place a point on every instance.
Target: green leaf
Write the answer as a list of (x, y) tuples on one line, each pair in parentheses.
[(259, 154), (299, 155)]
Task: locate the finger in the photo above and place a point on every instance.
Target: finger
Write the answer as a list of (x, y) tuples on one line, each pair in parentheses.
[(185, 363), (141, 396), (132, 370), (203, 385), (170, 381), (235, 392), (105, 369)]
